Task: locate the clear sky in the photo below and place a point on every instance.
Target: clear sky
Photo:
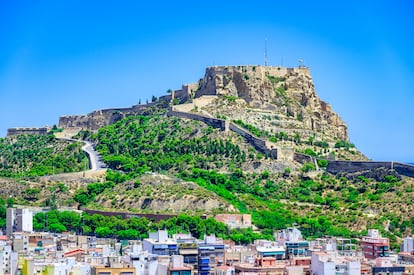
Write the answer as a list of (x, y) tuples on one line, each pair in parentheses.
[(73, 57)]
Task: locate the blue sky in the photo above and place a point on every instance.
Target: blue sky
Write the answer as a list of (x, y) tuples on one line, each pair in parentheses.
[(73, 57)]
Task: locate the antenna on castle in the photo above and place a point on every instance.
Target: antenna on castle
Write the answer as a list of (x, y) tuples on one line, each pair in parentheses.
[(265, 53)]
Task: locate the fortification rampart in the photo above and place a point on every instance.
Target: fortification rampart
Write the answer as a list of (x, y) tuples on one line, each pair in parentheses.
[(302, 158), (259, 144), (104, 117), (256, 142), (404, 169), (213, 122), (340, 166), (26, 131)]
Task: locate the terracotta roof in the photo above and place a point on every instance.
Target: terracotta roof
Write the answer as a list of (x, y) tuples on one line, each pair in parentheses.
[(74, 252)]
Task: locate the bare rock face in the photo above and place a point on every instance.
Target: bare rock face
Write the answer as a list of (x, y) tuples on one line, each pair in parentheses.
[(288, 93), (164, 194)]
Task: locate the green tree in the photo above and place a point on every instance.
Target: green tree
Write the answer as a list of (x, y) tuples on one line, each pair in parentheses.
[(322, 163), (56, 227), (309, 166), (10, 202), (103, 231)]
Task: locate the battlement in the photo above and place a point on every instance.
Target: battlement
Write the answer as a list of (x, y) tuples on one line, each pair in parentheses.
[(28, 130), (259, 70)]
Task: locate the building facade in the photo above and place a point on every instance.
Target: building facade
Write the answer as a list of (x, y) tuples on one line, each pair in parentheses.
[(375, 246)]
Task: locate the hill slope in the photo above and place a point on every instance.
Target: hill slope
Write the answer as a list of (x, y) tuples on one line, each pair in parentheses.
[(168, 164)]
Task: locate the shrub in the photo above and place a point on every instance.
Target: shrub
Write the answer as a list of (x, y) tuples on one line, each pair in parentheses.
[(309, 166), (322, 163), (309, 152), (344, 144)]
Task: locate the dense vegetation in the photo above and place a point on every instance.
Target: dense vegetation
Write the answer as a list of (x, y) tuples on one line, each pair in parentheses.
[(29, 156), (153, 143), (192, 151), (3, 213), (137, 228)]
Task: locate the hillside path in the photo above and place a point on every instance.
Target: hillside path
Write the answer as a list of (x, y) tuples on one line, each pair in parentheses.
[(95, 161), (96, 166)]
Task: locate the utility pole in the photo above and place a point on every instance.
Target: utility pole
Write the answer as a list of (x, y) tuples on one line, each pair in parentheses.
[(265, 53)]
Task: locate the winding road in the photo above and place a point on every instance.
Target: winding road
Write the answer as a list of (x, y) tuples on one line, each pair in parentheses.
[(95, 161), (96, 166)]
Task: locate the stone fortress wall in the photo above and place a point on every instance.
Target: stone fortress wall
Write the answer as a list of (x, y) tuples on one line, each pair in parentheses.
[(97, 119), (339, 166), (28, 130), (213, 81), (259, 144), (213, 122)]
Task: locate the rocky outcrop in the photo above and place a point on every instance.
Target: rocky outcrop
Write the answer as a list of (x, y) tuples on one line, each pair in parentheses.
[(286, 92)]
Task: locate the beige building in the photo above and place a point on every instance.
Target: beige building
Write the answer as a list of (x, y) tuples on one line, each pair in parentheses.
[(235, 220), (113, 271)]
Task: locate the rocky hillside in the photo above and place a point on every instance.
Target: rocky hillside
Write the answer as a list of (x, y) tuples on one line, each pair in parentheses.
[(286, 93), (156, 193), (278, 104)]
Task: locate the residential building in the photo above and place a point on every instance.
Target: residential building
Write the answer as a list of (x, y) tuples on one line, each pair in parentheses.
[(8, 260), (343, 246), (20, 242), (385, 266), (406, 258), (374, 246), (292, 239), (18, 220), (235, 220), (407, 245), (289, 234), (177, 266), (267, 249), (160, 244), (225, 270), (210, 255), (261, 265), (187, 247), (327, 263), (44, 266), (98, 270), (144, 262), (238, 253)]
